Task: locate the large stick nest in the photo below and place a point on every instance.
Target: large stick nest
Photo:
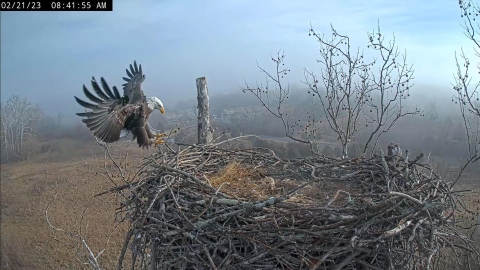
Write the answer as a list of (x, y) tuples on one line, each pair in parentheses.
[(210, 208)]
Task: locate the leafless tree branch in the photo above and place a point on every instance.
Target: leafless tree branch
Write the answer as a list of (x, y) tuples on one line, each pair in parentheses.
[(467, 93), (17, 120), (342, 97), (276, 100), (353, 93)]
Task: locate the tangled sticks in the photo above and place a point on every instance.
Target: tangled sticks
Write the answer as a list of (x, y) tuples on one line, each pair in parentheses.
[(210, 208)]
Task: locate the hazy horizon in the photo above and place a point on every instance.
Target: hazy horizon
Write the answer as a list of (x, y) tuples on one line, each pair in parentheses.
[(48, 56)]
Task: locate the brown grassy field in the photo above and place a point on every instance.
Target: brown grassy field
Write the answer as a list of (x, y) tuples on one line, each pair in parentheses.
[(27, 242), (73, 178)]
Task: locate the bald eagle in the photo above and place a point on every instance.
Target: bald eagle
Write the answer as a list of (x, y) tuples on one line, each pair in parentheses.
[(394, 150), (111, 114)]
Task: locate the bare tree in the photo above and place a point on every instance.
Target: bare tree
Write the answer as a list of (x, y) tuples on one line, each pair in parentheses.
[(18, 117), (467, 96), (274, 95), (342, 99), (352, 91), (356, 90)]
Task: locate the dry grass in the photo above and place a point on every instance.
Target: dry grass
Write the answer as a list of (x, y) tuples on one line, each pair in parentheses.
[(243, 183), (27, 187), (471, 201), (469, 222), (250, 184)]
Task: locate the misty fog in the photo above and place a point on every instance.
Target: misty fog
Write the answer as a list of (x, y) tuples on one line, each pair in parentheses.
[(47, 57)]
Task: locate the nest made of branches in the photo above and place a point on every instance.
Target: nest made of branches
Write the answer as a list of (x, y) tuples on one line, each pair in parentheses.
[(209, 208)]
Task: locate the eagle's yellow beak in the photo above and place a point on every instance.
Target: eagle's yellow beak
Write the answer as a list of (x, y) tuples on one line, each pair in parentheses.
[(162, 110)]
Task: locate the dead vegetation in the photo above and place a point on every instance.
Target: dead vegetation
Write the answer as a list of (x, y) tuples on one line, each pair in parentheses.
[(27, 188), (242, 182), (208, 208)]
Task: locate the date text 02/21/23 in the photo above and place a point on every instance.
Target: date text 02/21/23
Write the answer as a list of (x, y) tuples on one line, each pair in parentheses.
[(56, 5)]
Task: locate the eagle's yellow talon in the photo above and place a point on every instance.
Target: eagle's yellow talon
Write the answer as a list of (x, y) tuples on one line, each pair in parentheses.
[(159, 139), (158, 142), (160, 136)]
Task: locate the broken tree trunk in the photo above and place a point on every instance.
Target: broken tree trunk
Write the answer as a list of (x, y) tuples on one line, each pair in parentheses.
[(204, 131)]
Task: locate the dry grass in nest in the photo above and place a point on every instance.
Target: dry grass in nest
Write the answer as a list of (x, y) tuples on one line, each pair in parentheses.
[(243, 182)]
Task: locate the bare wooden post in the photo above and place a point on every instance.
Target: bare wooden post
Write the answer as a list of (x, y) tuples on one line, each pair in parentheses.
[(204, 131)]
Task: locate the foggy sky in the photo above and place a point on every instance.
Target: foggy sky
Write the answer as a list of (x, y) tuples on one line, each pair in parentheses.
[(47, 56)]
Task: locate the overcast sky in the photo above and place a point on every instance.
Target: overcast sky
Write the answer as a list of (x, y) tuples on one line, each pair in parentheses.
[(48, 56)]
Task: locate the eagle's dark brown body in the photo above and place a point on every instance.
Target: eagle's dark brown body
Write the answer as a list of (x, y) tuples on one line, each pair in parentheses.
[(137, 124), (112, 113)]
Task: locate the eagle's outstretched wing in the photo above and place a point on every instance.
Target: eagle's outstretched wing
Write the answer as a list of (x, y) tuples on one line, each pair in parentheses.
[(132, 89), (107, 116)]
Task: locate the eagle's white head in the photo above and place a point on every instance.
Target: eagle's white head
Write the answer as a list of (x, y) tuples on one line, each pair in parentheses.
[(155, 103)]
